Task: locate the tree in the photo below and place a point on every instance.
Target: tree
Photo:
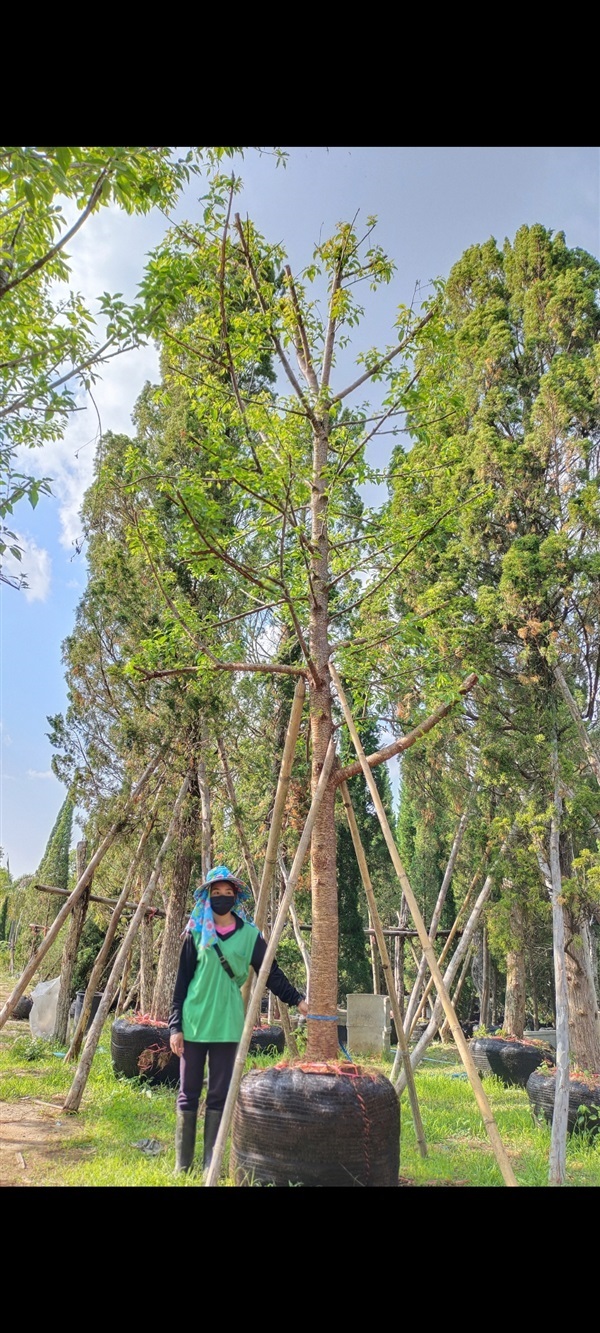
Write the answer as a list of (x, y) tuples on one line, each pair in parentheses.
[(53, 870), (50, 348), (293, 542), (507, 432)]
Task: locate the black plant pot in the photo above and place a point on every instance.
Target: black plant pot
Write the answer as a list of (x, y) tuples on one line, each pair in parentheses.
[(511, 1061), (316, 1125), (23, 1007), (418, 1031), (267, 1041), (77, 1006), (584, 1103), (142, 1050)]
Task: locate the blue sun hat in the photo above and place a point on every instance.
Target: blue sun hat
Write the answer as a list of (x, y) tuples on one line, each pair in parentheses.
[(202, 921)]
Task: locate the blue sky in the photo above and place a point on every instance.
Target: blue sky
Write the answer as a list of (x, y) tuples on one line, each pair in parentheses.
[(431, 204)]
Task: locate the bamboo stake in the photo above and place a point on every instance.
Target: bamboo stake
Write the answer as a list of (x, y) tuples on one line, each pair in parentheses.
[(121, 1001), (73, 1099), (296, 924), (252, 876), (128, 1001), (111, 931), (94, 898), (387, 967), (455, 962), (280, 800), (437, 913), (80, 886), (290, 1039), (69, 953), (212, 1175), (260, 914), (473, 1073), (446, 948)]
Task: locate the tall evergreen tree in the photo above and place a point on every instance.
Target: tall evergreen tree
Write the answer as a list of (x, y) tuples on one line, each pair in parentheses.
[(506, 428)]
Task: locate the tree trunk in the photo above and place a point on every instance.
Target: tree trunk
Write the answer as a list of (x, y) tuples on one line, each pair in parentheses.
[(243, 1045), (588, 747), (168, 962), (558, 1140), (516, 981), (69, 957), (375, 969), (322, 1031), (584, 1017), (204, 789), (146, 939), (533, 989), (485, 979), (248, 862)]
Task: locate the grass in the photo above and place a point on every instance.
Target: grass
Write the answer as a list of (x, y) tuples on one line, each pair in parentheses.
[(459, 1150), (119, 1118)]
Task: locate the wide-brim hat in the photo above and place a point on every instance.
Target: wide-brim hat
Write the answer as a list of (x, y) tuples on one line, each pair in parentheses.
[(222, 873)]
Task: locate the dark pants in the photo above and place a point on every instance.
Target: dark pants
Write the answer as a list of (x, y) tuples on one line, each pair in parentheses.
[(221, 1059)]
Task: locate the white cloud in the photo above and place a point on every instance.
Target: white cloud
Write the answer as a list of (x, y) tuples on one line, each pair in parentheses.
[(5, 739), (33, 773), (35, 564)]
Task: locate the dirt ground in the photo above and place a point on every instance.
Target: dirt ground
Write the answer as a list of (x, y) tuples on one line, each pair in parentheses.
[(33, 1133)]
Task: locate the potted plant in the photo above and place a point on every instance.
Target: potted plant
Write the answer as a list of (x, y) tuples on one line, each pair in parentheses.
[(584, 1097), (511, 1058), (139, 1047)]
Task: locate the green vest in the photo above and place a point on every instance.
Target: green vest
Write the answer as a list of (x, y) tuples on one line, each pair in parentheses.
[(213, 1009)]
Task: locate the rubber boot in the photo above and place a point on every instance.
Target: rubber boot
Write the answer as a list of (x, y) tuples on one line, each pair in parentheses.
[(185, 1140), (212, 1120)]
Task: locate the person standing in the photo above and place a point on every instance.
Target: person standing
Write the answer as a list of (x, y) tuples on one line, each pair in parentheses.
[(220, 945)]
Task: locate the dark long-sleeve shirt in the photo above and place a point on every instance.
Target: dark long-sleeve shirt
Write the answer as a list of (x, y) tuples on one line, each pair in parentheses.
[(277, 982)]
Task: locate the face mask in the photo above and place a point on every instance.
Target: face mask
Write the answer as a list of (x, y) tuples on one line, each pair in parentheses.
[(221, 905)]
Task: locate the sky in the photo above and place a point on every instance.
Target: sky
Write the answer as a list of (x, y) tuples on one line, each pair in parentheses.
[(431, 204)]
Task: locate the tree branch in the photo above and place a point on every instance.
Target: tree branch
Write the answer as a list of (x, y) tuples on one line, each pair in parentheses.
[(337, 398), (405, 742), (273, 336)]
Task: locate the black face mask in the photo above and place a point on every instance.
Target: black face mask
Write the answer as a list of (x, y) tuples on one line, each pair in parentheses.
[(221, 905)]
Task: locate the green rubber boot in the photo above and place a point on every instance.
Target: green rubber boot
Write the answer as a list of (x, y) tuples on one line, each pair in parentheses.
[(212, 1120), (185, 1140)]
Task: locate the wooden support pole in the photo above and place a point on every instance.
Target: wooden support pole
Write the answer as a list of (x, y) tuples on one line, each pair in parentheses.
[(411, 1008), (80, 886), (73, 1099), (69, 954), (289, 748), (467, 1059), (268, 873), (94, 898), (120, 905), (385, 962), (249, 863), (212, 1175)]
